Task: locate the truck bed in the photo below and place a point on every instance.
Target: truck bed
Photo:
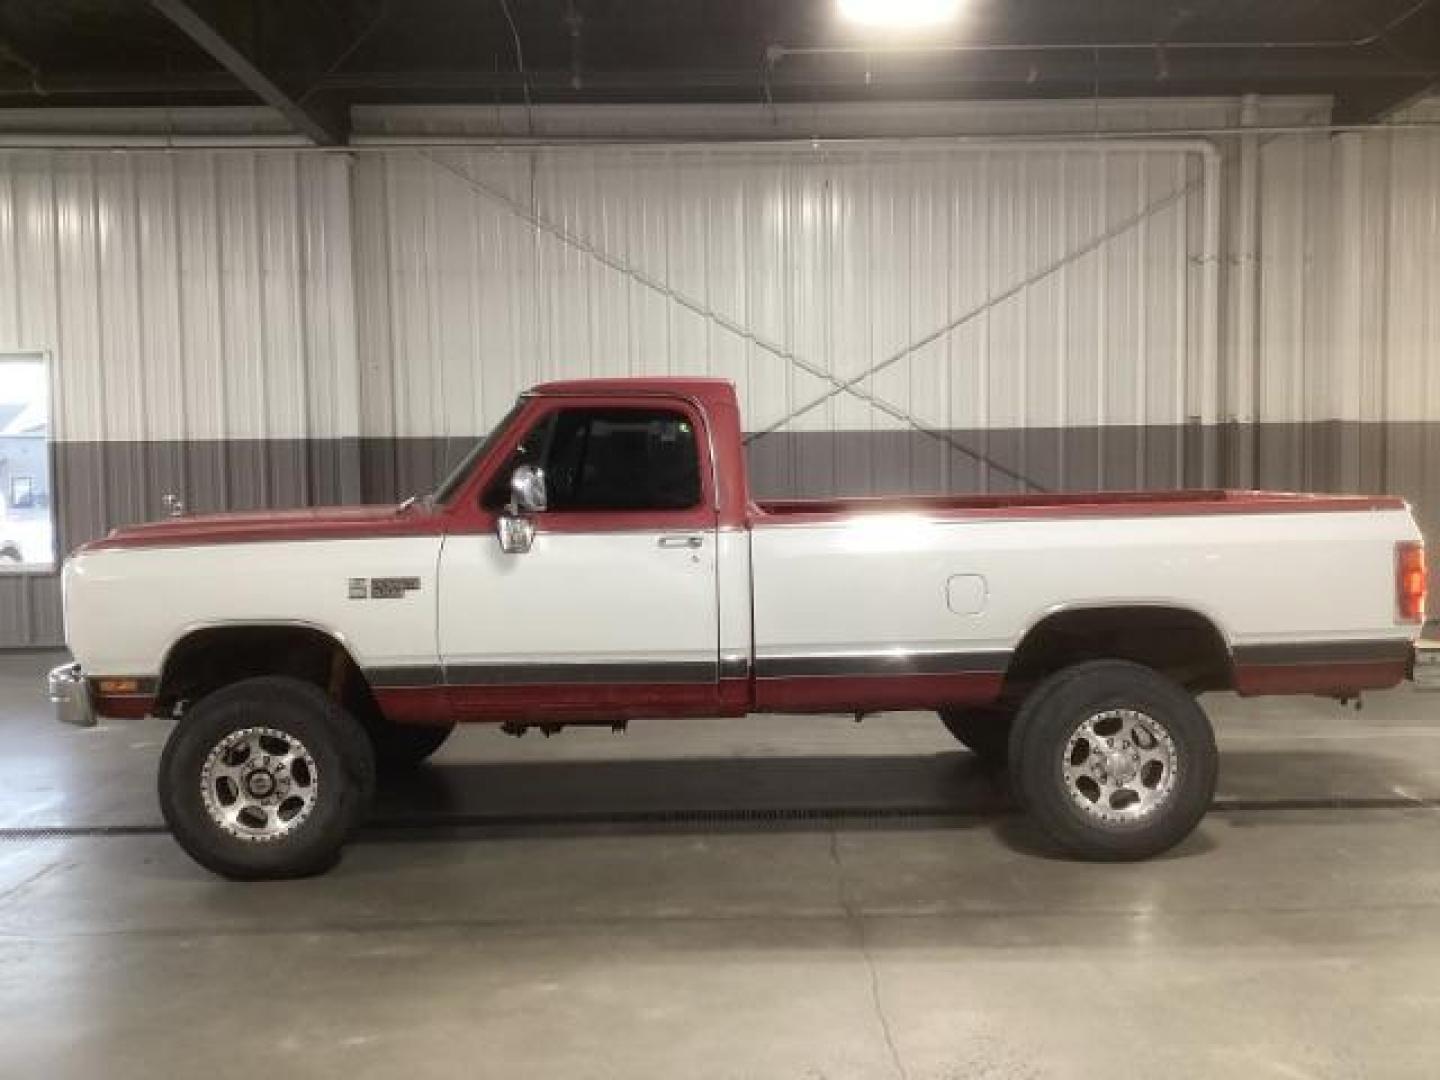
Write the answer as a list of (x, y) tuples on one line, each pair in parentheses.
[(1074, 504)]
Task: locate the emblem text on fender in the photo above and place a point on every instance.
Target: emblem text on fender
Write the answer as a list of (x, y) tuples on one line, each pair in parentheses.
[(382, 588)]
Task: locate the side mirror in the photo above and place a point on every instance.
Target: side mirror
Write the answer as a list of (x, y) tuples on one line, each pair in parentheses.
[(527, 490), (527, 496), (516, 533)]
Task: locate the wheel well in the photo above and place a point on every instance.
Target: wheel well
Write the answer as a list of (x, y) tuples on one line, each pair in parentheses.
[(1179, 643), (206, 660)]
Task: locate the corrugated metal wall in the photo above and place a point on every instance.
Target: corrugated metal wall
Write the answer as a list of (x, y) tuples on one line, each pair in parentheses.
[(199, 312), (1388, 289), (1331, 382), (277, 328), (185, 296), (850, 290)]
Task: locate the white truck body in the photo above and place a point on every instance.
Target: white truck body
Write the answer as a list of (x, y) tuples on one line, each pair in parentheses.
[(728, 605), (868, 586)]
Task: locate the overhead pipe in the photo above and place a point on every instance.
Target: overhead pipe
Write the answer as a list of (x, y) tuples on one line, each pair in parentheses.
[(77, 141), (1241, 391)]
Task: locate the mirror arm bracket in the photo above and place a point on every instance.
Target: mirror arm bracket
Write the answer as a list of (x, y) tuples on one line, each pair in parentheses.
[(515, 527)]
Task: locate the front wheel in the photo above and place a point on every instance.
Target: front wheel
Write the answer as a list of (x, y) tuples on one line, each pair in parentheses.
[(265, 778), (401, 747), (1113, 760)]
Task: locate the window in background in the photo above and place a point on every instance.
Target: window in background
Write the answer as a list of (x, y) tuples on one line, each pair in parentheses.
[(27, 517)]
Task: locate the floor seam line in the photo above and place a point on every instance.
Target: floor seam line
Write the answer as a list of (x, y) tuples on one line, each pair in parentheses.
[(761, 816), (19, 887), (857, 920)]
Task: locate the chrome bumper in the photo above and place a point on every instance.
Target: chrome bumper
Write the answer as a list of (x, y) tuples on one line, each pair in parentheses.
[(1425, 667), (69, 693)]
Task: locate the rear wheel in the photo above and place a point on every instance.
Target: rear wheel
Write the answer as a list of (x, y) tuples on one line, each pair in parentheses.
[(265, 778), (983, 731), (1113, 760)]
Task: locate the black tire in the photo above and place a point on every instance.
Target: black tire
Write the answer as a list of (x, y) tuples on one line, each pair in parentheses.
[(335, 747), (1069, 813), (985, 731), (401, 747)]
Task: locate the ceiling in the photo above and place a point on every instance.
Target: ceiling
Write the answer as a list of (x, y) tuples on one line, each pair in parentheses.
[(313, 59)]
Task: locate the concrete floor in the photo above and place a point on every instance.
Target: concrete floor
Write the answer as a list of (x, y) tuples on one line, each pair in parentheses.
[(524, 909)]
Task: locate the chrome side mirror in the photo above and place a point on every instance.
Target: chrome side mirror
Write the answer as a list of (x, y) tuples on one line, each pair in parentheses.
[(527, 490), (527, 496), (516, 533)]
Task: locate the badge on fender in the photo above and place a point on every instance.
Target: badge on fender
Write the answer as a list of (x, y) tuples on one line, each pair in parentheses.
[(382, 588)]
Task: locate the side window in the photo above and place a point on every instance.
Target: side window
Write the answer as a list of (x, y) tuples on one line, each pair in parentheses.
[(611, 459)]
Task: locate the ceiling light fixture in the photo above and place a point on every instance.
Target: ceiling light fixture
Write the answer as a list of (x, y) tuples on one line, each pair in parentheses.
[(899, 14)]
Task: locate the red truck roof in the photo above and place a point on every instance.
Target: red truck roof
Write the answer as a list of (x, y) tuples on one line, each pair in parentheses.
[(707, 391)]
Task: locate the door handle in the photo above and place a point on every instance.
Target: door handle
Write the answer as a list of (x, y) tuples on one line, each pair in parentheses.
[(691, 541)]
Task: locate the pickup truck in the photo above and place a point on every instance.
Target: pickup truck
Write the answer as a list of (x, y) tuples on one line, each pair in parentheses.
[(598, 557)]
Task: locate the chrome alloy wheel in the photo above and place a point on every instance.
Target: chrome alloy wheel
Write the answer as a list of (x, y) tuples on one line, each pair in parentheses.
[(259, 784), (1120, 766)]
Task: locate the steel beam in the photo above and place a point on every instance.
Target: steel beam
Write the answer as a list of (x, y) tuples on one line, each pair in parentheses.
[(1364, 86), (315, 123), (848, 73), (1377, 105)]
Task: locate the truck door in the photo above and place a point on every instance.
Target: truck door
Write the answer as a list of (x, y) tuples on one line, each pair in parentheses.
[(612, 611)]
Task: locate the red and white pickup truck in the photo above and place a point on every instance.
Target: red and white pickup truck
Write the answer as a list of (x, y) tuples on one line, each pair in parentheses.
[(598, 558)]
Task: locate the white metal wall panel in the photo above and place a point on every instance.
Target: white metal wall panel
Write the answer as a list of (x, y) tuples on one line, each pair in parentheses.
[(1347, 280), (198, 308), (1396, 312), (184, 296), (448, 299), (1291, 364), (1401, 201), (1068, 271)]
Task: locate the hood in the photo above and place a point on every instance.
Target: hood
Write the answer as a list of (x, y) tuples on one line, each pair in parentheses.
[(274, 526)]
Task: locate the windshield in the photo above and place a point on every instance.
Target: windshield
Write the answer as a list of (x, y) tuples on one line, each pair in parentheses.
[(457, 476)]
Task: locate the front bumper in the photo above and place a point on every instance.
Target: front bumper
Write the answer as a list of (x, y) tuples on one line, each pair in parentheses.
[(70, 694), (1425, 667)]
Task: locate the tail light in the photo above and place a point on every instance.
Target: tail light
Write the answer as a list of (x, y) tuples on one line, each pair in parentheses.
[(1410, 581)]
